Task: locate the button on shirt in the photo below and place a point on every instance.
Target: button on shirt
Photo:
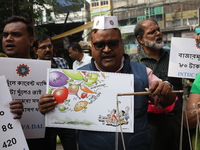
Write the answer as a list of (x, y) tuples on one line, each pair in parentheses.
[(85, 60)]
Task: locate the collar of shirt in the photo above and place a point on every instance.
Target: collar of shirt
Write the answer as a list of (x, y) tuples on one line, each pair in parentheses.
[(144, 55), (118, 71), (78, 63)]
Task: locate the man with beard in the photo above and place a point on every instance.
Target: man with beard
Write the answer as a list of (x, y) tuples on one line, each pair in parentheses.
[(43, 48), (165, 127)]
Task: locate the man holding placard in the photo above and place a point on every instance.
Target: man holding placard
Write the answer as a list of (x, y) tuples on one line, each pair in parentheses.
[(15, 106), (16, 43), (43, 48), (108, 56)]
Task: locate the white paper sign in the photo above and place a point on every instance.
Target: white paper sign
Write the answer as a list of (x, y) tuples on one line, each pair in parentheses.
[(184, 58), (26, 79), (12, 136), (87, 100)]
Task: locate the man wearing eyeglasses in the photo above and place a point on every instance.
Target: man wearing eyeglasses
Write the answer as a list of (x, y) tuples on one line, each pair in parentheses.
[(43, 47), (108, 56)]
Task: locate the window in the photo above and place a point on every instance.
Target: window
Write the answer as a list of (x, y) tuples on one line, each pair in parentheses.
[(95, 3), (95, 10), (104, 2), (141, 18), (151, 11), (104, 8)]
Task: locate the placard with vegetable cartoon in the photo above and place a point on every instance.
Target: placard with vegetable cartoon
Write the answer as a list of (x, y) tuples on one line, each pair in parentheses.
[(86, 100)]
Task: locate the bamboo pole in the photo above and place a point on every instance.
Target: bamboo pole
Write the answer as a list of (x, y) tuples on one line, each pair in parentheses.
[(145, 93)]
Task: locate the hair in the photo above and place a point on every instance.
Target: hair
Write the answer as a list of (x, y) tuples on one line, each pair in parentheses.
[(75, 46), (39, 39), (23, 20), (95, 31), (139, 30)]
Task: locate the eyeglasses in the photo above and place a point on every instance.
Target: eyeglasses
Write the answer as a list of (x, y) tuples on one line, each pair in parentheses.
[(45, 47), (112, 44)]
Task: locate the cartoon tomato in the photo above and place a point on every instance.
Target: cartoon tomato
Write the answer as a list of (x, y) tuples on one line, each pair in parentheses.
[(83, 95), (60, 94)]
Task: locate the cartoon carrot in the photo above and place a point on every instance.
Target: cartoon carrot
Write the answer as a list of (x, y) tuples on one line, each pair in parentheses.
[(86, 89)]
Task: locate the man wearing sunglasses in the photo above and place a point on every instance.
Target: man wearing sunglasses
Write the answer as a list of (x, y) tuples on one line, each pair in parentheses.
[(108, 56), (43, 47)]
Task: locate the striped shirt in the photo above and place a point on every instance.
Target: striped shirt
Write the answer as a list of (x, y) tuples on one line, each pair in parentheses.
[(159, 67)]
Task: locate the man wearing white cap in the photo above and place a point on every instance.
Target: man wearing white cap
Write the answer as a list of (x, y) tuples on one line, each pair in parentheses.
[(108, 56)]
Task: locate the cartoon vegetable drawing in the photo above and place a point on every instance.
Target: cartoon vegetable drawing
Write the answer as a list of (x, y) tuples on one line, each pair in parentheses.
[(76, 75), (84, 94), (57, 79), (60, 94), (73, 89), (84, 72), (86, 89), (62, 108), (91, 78), (50, 90), (80, 105), (103, 75)]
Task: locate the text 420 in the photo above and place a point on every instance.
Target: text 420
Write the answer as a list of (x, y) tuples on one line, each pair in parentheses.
[(9, 142)]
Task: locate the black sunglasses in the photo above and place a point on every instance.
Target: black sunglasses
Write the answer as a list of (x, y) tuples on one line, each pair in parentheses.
[(112, 44), (45, 47)]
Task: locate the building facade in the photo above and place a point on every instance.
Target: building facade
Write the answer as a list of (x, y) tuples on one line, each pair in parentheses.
[(176, 18), (100, 7)]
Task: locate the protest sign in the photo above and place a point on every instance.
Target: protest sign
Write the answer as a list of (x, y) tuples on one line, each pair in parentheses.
[(12, 136), (87, 100), (26, 79)]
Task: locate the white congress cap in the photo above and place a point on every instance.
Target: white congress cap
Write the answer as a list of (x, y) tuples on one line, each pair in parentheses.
[(105, 22)]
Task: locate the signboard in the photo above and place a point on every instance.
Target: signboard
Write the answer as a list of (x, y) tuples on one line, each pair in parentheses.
[(130, 49), (26, 79), (188, 34), (127, 29), (184, 58), (87, 100), (12, 136)]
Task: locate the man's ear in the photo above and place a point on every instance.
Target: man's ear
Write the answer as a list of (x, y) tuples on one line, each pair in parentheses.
[(140, 39), (31, 40), (35, 50)]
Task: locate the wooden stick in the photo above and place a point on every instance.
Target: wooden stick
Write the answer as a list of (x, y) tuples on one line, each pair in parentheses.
[(144, 93)]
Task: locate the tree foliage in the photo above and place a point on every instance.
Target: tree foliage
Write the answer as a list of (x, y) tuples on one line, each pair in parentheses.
[(27, 9)]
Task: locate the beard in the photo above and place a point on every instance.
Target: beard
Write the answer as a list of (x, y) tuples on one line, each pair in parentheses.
[(153, 44)]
